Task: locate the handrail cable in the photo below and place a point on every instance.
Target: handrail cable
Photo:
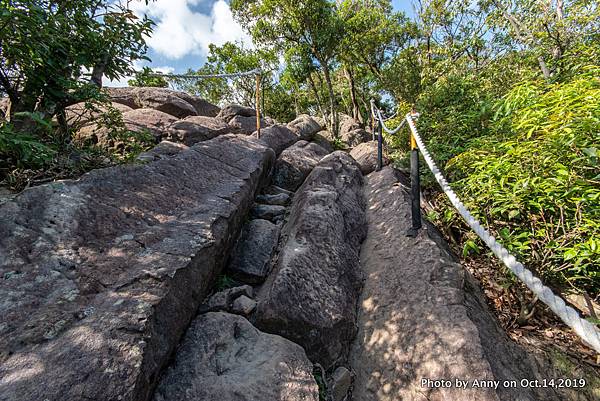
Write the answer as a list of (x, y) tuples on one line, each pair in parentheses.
[(585, 329), (256, 71)]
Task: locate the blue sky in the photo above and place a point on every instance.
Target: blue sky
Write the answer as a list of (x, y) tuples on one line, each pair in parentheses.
[(185, 28)]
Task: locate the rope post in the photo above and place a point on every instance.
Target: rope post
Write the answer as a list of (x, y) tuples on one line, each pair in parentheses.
[(379, 146), (372, 125), (415, 188), (258, 105)]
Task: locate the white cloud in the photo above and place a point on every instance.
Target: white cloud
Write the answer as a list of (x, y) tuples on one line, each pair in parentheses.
[(165, 70), (180, 31)]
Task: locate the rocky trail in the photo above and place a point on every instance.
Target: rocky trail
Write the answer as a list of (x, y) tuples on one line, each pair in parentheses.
[(222, 266)]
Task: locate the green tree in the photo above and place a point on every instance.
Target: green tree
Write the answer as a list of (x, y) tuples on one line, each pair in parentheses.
[(46, 45), (547, 29), (312, 26), (231, 58), (148, 78)]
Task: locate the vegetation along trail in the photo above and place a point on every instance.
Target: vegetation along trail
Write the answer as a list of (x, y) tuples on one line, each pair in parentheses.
[(224, 200)]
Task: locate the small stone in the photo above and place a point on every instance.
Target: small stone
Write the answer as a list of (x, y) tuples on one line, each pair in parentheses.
[(222, 301), (123, 238), (341, 380), (243, 306), (275, 190), (279, 199), (267, 212)]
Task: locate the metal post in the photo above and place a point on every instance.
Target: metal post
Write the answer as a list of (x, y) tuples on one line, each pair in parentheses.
[(415, 188), (379, 146), (258, 105)]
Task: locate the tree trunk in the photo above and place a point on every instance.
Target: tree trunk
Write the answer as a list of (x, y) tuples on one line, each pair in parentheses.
[(317, 97), (334, 117), (98, 72), (355, 107), (545, 70)]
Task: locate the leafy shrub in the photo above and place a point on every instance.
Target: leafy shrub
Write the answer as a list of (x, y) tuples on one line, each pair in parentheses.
[(535, 178), (19, 149)]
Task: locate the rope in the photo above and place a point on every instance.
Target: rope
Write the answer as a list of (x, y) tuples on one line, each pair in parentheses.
[(586, 330), (377, 115), (256, 71), (393, 116)]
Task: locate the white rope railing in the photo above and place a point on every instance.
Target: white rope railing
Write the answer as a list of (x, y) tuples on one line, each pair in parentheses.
[(377, 114), (586, 330), (256, 71)]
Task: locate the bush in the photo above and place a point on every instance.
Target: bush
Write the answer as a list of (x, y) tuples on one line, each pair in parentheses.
[(534, 179)]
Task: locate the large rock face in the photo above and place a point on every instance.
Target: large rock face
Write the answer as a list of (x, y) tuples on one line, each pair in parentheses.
[(347, 124), (232, 110), (152, 121), (324, 138), (278, 137), (149, 121), (305, 127), (101, 276), (178, 104), (223, 357), (79, 115), (295, 163), (311, 296), (420, 316), (197, 129), (163, 150), (203, 107), (356, 137), (165, 101), (246, 125), (366, 156)]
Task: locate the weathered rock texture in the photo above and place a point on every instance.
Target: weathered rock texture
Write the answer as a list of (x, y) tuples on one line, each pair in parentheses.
[(222, 301), (267, 212), (347, 124), (295, 163), (419, 317), (246, 125), (281, 199), (311, 297), (223, 357), (142, 121), (324, 138), (366, 156), (152, 121), (251, 258), (197, 129), (79, 115), (305, 127), (178, 104), (203, 107), (232, 110), (355, 137), (165, 101), (163, 150), (278, 138), (101, 276)]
